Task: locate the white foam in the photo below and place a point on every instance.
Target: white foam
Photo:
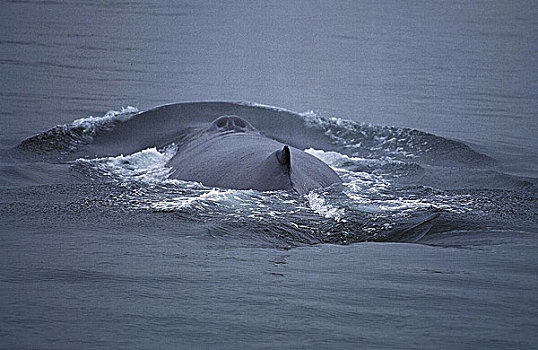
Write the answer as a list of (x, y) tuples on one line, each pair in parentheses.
[(148, 165), (177, 203), (336, 159), (355, 181), (342, 131), (362, 187), (90, 124), (260, 105), (318, 204)]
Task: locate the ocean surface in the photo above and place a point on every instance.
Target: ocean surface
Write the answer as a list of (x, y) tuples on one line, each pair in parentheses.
[(428, 111)]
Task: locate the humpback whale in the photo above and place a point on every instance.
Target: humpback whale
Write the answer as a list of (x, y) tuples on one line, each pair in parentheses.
[(231, 153)]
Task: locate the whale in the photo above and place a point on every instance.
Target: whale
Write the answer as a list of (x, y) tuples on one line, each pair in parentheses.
[(216, 145), (231, 153)]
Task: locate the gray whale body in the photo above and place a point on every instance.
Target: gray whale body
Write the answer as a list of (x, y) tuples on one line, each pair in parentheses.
[(231, 153)]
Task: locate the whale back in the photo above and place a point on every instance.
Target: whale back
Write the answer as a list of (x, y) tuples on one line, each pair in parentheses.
[(231, 153)]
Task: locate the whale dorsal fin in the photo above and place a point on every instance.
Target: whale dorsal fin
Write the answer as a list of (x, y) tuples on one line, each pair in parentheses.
[(284, 157)]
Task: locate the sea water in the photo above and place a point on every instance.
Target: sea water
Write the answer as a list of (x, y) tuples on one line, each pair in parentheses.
[(426, 110)]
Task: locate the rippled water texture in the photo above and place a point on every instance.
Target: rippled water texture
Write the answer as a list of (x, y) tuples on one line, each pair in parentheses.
[(426, 110)]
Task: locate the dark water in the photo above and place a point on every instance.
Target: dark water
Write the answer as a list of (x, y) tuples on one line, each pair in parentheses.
[(426, 110)]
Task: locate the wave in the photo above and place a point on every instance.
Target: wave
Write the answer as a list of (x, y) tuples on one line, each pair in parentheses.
[(399, 185), (126, 131), (69, 138), (148, 165)]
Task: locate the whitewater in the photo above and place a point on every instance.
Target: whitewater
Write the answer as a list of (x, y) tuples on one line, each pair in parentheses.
[(426, 111)]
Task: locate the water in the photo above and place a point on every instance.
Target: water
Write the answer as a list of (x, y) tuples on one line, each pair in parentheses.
[(426, 110)]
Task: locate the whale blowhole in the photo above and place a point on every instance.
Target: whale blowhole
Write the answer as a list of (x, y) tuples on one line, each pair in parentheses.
[(231, 123)]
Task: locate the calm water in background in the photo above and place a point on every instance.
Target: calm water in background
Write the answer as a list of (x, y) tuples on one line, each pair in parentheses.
[(462, 70)]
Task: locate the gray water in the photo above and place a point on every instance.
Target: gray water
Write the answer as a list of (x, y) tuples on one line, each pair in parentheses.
[(430, 243)]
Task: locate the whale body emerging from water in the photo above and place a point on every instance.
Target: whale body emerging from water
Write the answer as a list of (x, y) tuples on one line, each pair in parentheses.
[(231, 153)]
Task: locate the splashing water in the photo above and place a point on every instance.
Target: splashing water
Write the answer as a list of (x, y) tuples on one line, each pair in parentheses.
[(392, 189)]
